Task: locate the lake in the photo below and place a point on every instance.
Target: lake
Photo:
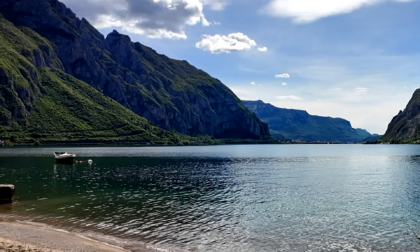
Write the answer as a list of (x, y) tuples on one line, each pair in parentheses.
[(225, 198)]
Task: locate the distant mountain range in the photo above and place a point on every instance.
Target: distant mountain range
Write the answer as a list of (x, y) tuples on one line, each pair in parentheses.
[(299, 125), (61, 79)]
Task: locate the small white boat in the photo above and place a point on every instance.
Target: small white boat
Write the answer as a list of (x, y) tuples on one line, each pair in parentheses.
[(64, 157)]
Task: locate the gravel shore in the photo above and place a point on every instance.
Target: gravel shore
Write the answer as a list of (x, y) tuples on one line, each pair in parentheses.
[(13, 246), (18, 237)]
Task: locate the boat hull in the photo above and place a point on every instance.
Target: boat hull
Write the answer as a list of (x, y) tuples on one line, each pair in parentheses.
[(65, 160)]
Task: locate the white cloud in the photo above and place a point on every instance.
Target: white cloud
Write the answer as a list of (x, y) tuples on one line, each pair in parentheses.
[(335, 89), (283, 76), (226, 44), (216, 5), (288, 97), (361, 90), (252, 83), (284, 84), (154, 19), (304, 11), (262, 49), (372, 110)]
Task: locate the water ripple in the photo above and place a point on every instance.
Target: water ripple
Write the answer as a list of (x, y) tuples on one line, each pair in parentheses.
[(221, 199)]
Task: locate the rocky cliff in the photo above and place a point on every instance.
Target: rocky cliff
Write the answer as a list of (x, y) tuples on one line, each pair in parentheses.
[(171, 94), (299, 125), (40, 103), (406, 125)]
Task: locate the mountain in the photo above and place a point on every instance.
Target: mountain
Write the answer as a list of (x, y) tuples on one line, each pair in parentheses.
[(170, 94), (372, 139), (299, 125), (363, 133), (39, 101), (406, 125)]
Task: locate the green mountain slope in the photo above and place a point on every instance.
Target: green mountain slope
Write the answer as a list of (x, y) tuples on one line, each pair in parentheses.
[(38, 101), (74, 110), (299, 125), (171, 94)]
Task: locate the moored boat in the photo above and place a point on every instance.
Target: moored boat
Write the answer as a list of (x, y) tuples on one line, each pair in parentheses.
[(64, 157)]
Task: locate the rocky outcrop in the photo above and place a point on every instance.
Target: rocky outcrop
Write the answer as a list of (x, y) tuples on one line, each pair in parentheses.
[(171, 94), (7, 194), (406, 125), (299, 125), (22, 52)]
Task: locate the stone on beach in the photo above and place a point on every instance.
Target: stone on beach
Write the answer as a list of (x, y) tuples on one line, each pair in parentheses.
[(7, 194)]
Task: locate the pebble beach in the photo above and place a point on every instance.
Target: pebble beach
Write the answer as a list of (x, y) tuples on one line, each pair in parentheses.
[(24, 237)]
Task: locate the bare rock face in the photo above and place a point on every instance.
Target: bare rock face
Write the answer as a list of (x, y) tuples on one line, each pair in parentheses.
[(171, 94), (406, 125)]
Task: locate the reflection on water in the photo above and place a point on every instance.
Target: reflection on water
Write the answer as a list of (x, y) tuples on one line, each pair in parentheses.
[(227, 198)]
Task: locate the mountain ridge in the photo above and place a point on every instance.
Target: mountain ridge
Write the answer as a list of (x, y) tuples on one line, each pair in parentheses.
[(300, 125), (170, 94), (39, 102)]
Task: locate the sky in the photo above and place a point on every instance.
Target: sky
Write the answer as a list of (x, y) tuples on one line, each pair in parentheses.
[(354, 59)]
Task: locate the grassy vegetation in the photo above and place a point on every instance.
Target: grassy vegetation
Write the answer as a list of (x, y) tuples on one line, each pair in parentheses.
[(413, 140), (44, 105), (17, 73), (72, 111)]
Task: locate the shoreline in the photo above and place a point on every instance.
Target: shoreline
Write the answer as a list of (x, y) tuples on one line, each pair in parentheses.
[(25, 236), (104, 144)]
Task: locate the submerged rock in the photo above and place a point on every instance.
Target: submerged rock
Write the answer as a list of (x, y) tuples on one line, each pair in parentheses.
[(7, 194)]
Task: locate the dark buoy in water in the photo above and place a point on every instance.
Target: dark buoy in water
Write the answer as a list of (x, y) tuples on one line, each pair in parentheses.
[(90, 162), (7, 194)]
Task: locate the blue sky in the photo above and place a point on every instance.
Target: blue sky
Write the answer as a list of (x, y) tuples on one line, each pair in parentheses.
[(354, 59)]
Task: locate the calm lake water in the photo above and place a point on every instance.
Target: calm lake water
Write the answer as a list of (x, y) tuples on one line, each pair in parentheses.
[(226, 198)]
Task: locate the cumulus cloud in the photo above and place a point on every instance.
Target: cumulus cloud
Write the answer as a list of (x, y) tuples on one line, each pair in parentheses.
[(262, 49), (153, 18), (304, 11), (226, 44), (288, 97), (252, 83), (283, 76), (284, 84)]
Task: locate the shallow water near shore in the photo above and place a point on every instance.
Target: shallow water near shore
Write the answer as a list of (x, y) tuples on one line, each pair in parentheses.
[(226, 198)]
